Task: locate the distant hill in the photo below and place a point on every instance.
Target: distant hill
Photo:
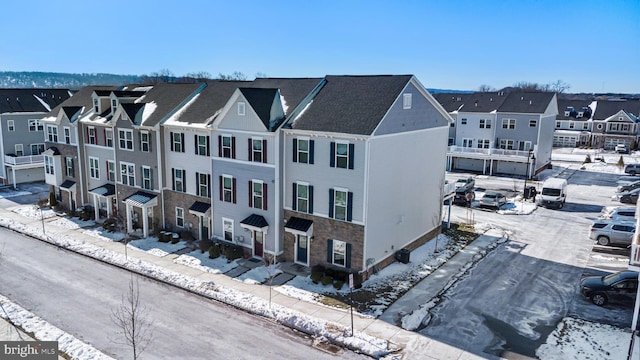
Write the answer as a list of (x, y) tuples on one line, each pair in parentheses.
[(37, 79)]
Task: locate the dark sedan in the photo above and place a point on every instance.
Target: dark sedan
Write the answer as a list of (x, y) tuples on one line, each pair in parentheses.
[(620, 287), (630, 197), (464, 197)]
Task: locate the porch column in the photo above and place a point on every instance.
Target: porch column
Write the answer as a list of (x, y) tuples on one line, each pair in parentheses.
[(145, 222), (13, 175), (96, 206), (129, 222), (108, 203)]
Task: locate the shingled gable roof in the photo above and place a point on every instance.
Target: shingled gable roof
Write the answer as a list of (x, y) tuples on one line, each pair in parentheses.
[(577, 105), (478, 102), (522, 102), (261, 100), (31, 100), (82, 98), (132, 110), (210, 100), (71, 111), (163, 99), (128, 93), (607, 108), (292, 90), (351, 104)]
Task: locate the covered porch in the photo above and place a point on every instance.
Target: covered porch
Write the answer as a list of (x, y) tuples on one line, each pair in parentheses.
[(144, 203)]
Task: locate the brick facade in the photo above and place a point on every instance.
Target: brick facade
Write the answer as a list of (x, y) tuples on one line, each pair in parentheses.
[(172, 200)]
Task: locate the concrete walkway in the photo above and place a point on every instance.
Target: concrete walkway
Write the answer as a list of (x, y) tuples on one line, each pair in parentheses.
[(412, 345)]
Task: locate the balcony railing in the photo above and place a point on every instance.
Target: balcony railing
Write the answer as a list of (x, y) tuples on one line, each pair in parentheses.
[(502, 152), (23, 160)]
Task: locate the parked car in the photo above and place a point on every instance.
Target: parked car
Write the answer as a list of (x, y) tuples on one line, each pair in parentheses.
[(632, 169), (618, 287), (622, 149), (464, 197), (493, 199), (619, 213), (607, 232), (630, 197), (628, 187), (465, 183)]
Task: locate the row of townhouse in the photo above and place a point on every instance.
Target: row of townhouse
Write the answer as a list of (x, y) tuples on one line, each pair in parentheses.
[(22, 132), (597, 123), (500, 133), (340, 170)]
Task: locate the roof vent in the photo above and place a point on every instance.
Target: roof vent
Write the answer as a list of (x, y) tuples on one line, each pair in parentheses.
[(476, 103), (530, 102), (458, 98), (490, 99), (521, 97)]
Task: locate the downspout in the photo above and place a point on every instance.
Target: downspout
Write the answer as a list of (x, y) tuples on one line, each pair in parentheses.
[(160, 174), (80, 158), (277, 191)]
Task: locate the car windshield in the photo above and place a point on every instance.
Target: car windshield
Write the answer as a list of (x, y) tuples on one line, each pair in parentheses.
[(612, 278), (550, 192), (491, 196)]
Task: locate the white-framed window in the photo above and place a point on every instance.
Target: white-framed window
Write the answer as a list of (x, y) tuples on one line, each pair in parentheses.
[(572, 125), (509, 123), (342, 155), (48, 165), (241, 108), (339, 253), (179, 217), (52, 133), (127, 174), (145, 143), (125, 139), (108, 136), (303, 197), (204, 184), (35, 125), (202, 145), (37, 149), (483, 143), (178, 180), (68, 161), (227, 228), (524, 145), (177, 142), (228, 189), (114, 105), (467, 143), (96, 105), (303, 150), (533, 123), (257, 151), (463, 121), (91, 135), (226, 146), (111, 171), (406, 101), (19, 148), (451, 142), (147, 178), (257, 195), (11, 126), (557, 124), (340, 204), (585, 126), (67, 134), (94, 167), (507, 144), (485, 123)]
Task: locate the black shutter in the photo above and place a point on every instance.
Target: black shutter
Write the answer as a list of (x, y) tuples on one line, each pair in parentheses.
[(310, 194), (294, 197), (349, 206), (221, 188), (329, 251), (250, 150), (195, 141), (184, 180), (208, 145), (171, 140), (233, 185), (347, 256), (198, 184), (311, 143), (219, 145), (351, 148), (209, 186), (295, 150), (182, 141), (151, 179), (233, 147), (332, 159), (173, 179), (264, 150), (331, 203), (250, 194), (265, 198)]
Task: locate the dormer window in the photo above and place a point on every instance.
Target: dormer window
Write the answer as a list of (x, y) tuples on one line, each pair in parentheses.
[(580, 114), (567, 113), (114, 105), (96, 106)]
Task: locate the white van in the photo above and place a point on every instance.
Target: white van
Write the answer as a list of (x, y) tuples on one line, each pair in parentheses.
[(554, 193)]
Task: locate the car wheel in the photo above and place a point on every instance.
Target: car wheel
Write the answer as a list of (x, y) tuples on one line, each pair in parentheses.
[(561, 205), (599, 299), (603, 240), (632, 173)]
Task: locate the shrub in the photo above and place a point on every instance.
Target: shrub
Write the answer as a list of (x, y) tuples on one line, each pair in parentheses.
[(338, 284), (587, 159), (326, 280), (164, 236), (316, 276), (204, 245), (341, 275), (174, 239), (214, 251), (233, 252)]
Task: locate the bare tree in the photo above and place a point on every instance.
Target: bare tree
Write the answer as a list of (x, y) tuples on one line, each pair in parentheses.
[(237, 75), (486, 88), (559, 86), (132, 318), (260, 74)]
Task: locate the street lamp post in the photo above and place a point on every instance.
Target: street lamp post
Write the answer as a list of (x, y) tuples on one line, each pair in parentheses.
[(527, 175)]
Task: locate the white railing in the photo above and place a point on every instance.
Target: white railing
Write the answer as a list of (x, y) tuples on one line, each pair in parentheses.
[(501, 152), (23, 160)]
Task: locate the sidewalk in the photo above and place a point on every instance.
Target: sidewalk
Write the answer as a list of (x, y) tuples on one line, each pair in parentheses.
[(402, 344)]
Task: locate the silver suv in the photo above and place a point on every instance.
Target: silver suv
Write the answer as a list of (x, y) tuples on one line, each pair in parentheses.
[(607, 232), (493, 199), (619, 213), (632, 169)]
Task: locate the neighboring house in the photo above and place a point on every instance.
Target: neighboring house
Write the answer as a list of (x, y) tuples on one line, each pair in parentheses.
[(63, 142), (22, 132), (363, 161), (247, 166), (501, 133), (573, 123), (615, 122)]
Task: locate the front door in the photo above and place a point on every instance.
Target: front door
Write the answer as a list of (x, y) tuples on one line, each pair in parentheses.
[(301, 249), (204, 227), (258, 243)]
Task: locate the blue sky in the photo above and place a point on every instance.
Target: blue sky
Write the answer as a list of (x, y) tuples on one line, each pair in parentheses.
[(594, 46)]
